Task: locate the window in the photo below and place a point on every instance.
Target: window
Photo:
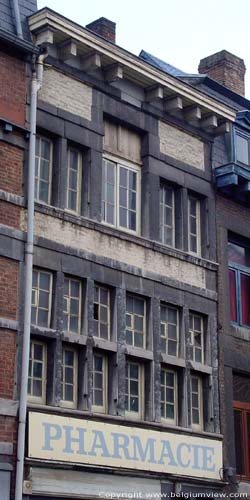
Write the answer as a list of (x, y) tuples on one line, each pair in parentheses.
[(134, 392), (242, 149), (121, 177), (73, 199), (169, 395), (239, 283), (120, 195), (167, 215), (72, 305), (241, 404), (69, 378), (100, 383), (43, 168), (37, 372), (196, 331), (194, 229), (169, 330), (101, 312), (196, 403), (135, 321), (41, 298)]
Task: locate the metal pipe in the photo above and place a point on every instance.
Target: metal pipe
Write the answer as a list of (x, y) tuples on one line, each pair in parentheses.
[(35, 86), (17, 18)]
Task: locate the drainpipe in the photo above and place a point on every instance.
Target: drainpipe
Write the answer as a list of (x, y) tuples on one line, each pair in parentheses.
[(36, 83), (17, 18)]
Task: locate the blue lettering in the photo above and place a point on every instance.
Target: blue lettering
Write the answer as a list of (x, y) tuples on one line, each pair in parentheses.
[(99, 443), (167, 452), (208, 455), (49, 435), (121, 441), (69, 439), (138, 449), (196, 449), (179, 455)]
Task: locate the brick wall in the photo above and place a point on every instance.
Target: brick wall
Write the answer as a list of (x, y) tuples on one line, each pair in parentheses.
[(11, 165), (8, 288), (182, 146), (9, 214), (12, 89)]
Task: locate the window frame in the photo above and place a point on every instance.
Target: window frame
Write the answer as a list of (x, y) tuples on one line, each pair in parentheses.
[(132, 328), (242, 135), (36, 290), (192, 334), (98, 408), (39, 399), (141, 391), (119, 163), (166, 337), (70, 278), (63, 402), (43, 137), (244, 408), (195, 426), (79, 180), (163, 187), (239, 270), (108, 307), (192, 196), (167, 420)]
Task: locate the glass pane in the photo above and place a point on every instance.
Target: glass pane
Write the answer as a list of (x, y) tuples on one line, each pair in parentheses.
[(43, 317), (98, 363), (195, 416), (75, 287), (38, 370), (132, 180), (232, 288), (110, 173), (139, 306), (238, 254), (138, 340), (134, 404), (98, 380), (132, 221), (123, 217), (38, 352), (44, 299), (138, 323), (123, 197), (110, 218), (74, 306), (104, 296), (170, 412), (69, 375), (134, 388), (96, 311), (170, 379), (44, 170), (43, 191), (132, 200), (103, 331), (129, 338), (245, 299), (172, 332), (37, 388), (44, 281), (242, 149), (69, 358), (110, 194), (72, 200), (69, 394), (172, 348), (129, 304), (45, 149), (73, 159), (134, 371), (123, 177), (98, 398), (74, 322)]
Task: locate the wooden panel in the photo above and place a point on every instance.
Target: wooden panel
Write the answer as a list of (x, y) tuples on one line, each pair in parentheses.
[(122, 141)]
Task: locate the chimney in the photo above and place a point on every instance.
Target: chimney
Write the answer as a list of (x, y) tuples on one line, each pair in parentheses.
[(225, 68), (103, 27)]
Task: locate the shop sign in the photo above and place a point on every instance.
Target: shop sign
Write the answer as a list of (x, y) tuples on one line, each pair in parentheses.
[(72, 440)]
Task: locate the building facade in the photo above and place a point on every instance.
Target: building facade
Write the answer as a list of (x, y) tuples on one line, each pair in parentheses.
[(123, 382)]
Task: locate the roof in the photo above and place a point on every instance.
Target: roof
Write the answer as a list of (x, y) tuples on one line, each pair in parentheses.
[(7, 17), (158, 63)]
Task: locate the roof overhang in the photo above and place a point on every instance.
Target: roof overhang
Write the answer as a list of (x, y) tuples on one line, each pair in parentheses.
[(49, 27)]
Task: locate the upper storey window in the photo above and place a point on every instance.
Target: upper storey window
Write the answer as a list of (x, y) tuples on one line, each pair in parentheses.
[(239, 281), (121, 178), (43, 168), (242, 149), (74, 174), (194, 225)]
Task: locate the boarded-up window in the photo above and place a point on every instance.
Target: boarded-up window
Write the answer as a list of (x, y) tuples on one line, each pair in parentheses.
[(121, 141)]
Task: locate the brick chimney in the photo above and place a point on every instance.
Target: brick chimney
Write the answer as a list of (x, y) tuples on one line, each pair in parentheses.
[(225, 68), (103, 27)]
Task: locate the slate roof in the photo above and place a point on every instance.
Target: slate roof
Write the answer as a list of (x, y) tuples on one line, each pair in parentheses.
[(158, 63), (7, 19)]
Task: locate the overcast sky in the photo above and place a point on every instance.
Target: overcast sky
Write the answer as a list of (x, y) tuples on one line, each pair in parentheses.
[(180, 32)]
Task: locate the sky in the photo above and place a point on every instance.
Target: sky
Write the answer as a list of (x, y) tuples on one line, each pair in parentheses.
[(181, 32)]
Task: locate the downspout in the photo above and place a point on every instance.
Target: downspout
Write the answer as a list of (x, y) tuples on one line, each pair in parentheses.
[(36, 83), (18, 24)]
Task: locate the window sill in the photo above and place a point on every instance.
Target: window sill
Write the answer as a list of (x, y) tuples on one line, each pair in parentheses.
[(75, 338), (137, 352), (173, 360), (200, 367), (106, 345)]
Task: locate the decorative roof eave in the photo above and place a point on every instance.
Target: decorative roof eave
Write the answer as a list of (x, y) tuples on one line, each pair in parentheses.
[(147, 74)]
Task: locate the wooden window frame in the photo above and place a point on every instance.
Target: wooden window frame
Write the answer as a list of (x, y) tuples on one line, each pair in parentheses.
[(132, 328), (65, 403), (238, 133), (163, 205), (167, 420), (239, 271), (192, 334), (39, 399), (67, 298), (79, 181), (40, 138), (195, 426), (244, 408), (98, 408), (166, 338), (36, 294), (198, 225), (108, 307), (121, 163), (141, 393)]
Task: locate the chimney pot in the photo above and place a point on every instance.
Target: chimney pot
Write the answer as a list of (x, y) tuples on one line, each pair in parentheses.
[(103, 27), (225, 68)]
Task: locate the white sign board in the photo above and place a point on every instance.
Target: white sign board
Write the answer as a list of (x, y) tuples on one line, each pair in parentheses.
[(56, 438)]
